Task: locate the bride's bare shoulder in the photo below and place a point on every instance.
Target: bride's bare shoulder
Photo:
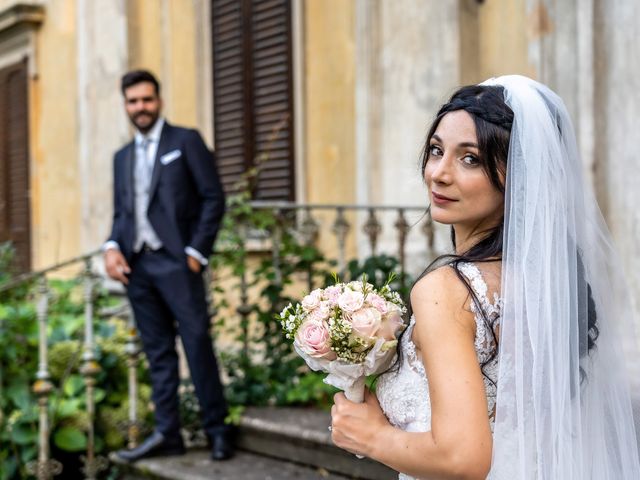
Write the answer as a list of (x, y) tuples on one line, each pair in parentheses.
[(441, 286), (440, 304)]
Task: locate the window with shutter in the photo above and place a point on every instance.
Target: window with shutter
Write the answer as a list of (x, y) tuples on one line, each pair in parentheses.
[(15, 218), (253, 95)]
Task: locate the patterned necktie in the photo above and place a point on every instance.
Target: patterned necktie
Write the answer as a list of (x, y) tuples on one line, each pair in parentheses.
[(147, 162)]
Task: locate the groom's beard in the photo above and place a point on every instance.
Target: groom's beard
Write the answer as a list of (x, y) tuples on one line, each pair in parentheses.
[(144, 120)]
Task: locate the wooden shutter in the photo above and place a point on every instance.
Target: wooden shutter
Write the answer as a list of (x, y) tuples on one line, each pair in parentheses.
[(253, 94), (228, 92), (15, 217)]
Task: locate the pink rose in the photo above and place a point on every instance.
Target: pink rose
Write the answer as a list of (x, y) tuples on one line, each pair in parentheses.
[(314, 339), (377, 302), (311, 301), (392, 324), (350, 301), (332, 293), (321, 313), (366, 322)]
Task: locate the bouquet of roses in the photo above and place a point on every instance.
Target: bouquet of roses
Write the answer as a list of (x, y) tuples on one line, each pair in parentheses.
[(349, 330)]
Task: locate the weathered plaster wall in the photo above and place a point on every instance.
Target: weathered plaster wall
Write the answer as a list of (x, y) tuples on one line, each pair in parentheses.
[(172, 39), (101, 35), (56, 202), (329, 105), (408, 62), (617, 123)]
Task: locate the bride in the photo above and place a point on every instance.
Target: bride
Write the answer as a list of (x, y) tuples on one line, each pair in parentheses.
[(515, 364)]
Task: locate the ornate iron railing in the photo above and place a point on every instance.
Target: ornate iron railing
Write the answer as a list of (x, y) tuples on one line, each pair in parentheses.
[(46, 467), (308, 229)]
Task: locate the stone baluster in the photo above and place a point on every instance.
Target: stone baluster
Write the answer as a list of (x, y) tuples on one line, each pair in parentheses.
[(132, 351), (90, 370), (309, 228), (276, 241), (427, 229), (372, 228), (244, 309), (403, 229), (341, 229), (44, 468)]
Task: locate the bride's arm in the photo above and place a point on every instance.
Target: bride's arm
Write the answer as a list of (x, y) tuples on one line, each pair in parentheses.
[(459, 443)]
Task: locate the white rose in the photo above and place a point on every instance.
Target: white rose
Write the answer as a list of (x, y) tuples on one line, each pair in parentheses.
[(350, 301), (366, 322), (311, 301)]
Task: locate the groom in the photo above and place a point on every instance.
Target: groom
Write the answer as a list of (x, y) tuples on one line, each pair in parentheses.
[(168, 205)]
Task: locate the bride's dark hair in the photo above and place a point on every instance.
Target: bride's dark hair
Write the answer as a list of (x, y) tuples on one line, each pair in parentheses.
[(493, 120)]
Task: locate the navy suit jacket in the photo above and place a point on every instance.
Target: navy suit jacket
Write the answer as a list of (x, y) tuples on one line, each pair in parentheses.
[(186, 200)]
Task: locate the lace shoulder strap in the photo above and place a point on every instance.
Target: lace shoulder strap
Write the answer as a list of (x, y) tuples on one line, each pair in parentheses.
[(479, 286), (484, 341)]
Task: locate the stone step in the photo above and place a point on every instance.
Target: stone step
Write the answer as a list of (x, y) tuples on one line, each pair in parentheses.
[(273, 443), (302, 435), (196, 465)]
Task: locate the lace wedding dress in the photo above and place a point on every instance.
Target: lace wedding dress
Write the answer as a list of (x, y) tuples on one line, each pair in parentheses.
[(403, 392)]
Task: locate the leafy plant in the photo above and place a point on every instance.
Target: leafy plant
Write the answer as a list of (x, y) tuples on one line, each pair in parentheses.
[(67, 402)]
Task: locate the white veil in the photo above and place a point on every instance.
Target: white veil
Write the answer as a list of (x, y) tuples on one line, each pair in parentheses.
[(564, 410)]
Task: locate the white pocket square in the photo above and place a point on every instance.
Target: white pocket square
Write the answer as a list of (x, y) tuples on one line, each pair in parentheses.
[(167, 158)]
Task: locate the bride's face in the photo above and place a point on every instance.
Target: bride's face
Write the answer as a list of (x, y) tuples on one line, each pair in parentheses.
[(461, 193)]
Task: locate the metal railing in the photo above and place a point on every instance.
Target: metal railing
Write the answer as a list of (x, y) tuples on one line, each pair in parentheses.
[(46, 467), (306, 227)]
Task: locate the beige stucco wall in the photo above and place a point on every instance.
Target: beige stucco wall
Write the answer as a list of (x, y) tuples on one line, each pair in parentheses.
[(494, 38), (329, 105), (504, 30), (164, 37), (329, 108), (144, 23), (55, 204)]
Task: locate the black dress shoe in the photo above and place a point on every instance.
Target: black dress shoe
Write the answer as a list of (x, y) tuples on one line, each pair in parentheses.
[(221, 446), (155, 445)]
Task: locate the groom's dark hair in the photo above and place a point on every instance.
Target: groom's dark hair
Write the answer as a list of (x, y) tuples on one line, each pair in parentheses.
[(134, 77)]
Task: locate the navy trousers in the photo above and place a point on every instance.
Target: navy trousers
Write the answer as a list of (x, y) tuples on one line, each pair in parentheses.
[(167, 300)]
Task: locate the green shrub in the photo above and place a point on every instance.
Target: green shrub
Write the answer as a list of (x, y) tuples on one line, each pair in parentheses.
[(67, 402)]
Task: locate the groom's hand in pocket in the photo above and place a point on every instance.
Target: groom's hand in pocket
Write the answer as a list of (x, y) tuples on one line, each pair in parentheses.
[(357, 427), (116, 265), (194, 265)]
